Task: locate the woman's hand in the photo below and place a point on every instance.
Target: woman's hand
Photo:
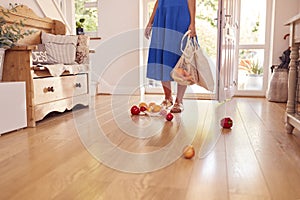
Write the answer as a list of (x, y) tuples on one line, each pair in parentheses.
[(148, 30), (192, 28)]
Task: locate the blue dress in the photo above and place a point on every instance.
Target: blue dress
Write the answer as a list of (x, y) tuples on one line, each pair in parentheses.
[(171, 21)]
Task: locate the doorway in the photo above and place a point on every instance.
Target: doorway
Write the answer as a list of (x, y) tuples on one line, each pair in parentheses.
[(224, 24), (207, 37), (253, 47)]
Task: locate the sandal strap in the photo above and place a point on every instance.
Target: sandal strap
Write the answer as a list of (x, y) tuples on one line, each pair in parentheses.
[(167, 103), (177, 108)]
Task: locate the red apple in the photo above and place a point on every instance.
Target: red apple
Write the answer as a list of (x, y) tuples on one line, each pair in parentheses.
[(189, 152), (143, 108), (135, 110), (226, 122), (169, 116)]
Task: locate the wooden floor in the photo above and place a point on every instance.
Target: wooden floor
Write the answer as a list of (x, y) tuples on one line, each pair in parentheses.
[(66, 156)]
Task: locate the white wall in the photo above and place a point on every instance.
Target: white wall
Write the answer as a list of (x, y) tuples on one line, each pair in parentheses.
[(70, 11), (116, 61), (283, 11)]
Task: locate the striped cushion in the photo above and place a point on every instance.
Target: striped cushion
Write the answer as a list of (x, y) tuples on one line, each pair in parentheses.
[(60, 48)]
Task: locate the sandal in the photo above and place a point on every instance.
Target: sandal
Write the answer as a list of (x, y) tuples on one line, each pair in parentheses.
[(166, 103), (177, 108)]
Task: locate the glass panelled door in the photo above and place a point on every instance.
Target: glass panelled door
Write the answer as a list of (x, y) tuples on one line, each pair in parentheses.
[(252, 47), (227, 28)]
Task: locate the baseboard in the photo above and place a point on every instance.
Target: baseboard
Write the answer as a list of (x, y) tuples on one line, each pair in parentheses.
[(105, 88)]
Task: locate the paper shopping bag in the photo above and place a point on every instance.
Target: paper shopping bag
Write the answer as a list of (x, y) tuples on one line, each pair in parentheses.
[(205, 67)]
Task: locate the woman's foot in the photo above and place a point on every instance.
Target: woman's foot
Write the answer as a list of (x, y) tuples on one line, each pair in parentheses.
[(166, 103), (177, 108)]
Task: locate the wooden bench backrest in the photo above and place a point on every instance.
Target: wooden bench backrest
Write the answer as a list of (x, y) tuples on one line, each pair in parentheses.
[(34, 22)]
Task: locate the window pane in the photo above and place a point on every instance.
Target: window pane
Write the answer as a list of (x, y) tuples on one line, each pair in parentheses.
[(250, 72), (252, 22), (89, 14)]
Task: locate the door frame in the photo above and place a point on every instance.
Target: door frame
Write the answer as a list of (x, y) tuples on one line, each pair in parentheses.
[(226, 48), (265, 47), (144, 44), (236, 92)]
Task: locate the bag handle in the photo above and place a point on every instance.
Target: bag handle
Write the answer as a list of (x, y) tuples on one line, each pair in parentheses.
[(190, 41), (182, 39), (196, 43)]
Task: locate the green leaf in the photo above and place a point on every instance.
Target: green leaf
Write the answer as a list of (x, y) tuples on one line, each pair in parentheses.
[(10, 34)]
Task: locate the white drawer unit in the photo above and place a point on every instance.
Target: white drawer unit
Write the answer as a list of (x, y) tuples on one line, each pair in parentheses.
[(56, 88), (12, 106)]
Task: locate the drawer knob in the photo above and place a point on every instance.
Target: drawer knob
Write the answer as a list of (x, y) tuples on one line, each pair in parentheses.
[(78, 85), (49, 89)]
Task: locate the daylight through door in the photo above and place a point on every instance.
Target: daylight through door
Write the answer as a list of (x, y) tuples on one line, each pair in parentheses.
[(209, 17)]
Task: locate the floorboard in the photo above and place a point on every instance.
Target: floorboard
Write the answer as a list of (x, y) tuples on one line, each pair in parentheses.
[(92, 152)]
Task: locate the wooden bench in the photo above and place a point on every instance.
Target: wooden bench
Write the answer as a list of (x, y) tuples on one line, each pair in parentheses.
[(44, 92), (292, 107)]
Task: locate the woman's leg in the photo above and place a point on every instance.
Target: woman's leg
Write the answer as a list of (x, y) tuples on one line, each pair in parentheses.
[(178, 106), (180, 93), (167, 89), (168, 101)]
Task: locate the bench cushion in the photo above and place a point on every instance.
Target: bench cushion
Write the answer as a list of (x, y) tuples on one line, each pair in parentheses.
[(60, 48), (39, 56)]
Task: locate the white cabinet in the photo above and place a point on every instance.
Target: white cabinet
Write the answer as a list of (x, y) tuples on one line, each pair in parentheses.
[(12, 106)]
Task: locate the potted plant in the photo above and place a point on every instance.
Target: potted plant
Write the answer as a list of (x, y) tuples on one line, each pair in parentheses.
[(10, 33), (254, 73), (251, 67), (79, 26)]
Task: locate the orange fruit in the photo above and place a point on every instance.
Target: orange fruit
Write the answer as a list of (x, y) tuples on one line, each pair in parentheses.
[(189, 152), (143, 104), (156, 108), (152, 104)]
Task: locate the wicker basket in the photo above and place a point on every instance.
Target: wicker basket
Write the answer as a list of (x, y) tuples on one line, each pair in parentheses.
[(278, 88)]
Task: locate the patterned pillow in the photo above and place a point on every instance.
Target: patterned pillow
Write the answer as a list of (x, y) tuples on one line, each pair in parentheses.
[(60, 48), (39, 56), (82, 50)]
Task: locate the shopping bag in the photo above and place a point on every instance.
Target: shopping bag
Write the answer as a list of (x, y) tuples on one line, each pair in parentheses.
[(194, 66), (205, 67), (185, 71)]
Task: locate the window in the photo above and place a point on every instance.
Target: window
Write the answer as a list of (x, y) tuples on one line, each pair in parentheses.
[(253, 22), (88, 10), (251, 69)]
